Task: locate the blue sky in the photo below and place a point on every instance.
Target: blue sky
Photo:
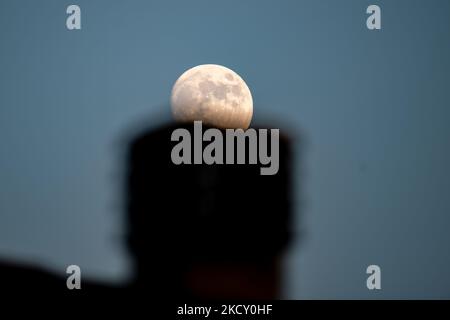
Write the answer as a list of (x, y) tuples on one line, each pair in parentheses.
[(371, 108)]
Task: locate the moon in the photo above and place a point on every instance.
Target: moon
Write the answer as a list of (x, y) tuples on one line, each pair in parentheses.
[(213, 94)]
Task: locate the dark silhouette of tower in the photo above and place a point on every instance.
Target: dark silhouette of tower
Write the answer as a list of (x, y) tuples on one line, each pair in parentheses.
[(206, 231)]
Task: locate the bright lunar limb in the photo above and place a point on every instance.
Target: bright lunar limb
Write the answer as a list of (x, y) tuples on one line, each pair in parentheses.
[(213, 94)]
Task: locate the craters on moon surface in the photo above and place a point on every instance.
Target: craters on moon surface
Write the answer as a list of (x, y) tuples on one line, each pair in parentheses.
[(213, 94)]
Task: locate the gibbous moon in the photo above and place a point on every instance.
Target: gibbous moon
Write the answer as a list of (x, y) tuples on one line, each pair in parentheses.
[(213, 94)]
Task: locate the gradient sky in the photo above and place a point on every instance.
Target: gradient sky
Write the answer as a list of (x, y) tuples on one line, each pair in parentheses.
[(372, 108)]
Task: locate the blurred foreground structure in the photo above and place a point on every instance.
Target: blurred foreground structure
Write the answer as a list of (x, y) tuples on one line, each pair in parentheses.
[(194, 231)]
